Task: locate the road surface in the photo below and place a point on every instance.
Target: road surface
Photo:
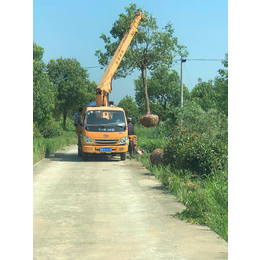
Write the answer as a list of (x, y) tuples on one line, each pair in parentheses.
[(111, 209)]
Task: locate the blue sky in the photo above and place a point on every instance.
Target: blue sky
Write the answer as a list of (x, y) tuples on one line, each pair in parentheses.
[(71, 29)]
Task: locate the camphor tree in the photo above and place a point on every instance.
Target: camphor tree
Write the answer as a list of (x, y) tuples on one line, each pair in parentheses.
[(149, 48), (73, 86)]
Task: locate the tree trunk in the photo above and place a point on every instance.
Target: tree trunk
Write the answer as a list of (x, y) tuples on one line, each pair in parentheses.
[(147, 106), (64, 120)]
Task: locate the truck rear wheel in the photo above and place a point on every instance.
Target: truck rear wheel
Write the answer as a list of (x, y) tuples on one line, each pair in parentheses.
[(84, 156), (123, 156)]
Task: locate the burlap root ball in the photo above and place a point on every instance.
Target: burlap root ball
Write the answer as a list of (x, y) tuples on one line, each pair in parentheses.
[(149, 120), (156, 156)]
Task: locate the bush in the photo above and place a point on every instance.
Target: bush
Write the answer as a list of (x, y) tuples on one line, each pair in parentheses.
[(51, 130), (36, 132), (195, 152)]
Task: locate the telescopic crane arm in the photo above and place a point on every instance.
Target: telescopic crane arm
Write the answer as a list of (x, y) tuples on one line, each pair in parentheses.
[(105, 85)]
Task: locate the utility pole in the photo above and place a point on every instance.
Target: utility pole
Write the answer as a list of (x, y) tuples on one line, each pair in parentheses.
[(182, 60)]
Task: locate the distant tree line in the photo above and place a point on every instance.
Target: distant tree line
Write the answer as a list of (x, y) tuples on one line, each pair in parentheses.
[(164, 94), (59, 89), (61, 86)]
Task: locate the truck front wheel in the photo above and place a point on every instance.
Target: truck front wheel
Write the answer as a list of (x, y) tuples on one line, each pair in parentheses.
[(123, 156)]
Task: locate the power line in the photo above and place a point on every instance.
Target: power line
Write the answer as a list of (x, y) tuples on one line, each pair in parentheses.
[(95, 67), (200, 60)]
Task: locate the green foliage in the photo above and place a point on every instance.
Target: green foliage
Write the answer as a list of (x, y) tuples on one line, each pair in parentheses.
[(43, 147), (193, 118), (74, 90), (50, 130), (198, 142), (151, 138), (43, 91), (163, 91), (196, 153), (208, 204), (204, 94), (130, 107), (37, 52), (211, 94), (221, 88)]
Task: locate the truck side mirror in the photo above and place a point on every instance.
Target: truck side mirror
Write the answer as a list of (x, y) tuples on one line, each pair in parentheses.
[(133, 120)]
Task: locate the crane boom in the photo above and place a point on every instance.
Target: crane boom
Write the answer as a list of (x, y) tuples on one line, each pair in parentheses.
[(105, 85)]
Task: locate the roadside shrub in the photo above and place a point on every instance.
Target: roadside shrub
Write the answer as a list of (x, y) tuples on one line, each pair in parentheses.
[(36, 132), (51, 130), (195, 152)]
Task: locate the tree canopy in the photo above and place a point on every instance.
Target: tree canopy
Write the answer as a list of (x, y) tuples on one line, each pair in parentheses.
[(204, 94), (213, 93), (74, 89), (221, 87), (149, 49), (164, 90), (130, 107), (43, 90)]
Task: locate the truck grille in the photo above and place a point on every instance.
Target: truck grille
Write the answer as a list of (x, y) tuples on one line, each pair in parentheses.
[(106, 141)]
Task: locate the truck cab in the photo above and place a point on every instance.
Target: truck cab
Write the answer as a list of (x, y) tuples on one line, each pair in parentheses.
[(104, 131)]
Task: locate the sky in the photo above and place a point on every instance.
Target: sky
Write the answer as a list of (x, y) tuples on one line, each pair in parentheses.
[(72, 29)]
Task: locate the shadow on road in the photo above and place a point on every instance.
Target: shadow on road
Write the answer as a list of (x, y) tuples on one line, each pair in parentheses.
[(73, 157), (161, 188)]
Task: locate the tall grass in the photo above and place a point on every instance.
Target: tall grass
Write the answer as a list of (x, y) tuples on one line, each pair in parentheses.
[(43, 147)]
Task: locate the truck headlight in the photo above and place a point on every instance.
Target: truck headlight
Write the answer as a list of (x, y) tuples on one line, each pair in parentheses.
[(87, 140), (123, 140)]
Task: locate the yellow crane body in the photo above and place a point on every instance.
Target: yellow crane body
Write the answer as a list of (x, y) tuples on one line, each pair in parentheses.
[(104, 129)]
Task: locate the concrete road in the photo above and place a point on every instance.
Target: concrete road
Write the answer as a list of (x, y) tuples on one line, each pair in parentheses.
[(111, 209)]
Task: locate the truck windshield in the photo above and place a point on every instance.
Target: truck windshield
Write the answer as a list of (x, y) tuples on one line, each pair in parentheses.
[(105, 121)]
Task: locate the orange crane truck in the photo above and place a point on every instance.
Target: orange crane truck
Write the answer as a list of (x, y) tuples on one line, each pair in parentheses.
[(104, 129)]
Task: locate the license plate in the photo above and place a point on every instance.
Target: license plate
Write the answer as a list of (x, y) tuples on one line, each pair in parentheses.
[(105, 149)]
